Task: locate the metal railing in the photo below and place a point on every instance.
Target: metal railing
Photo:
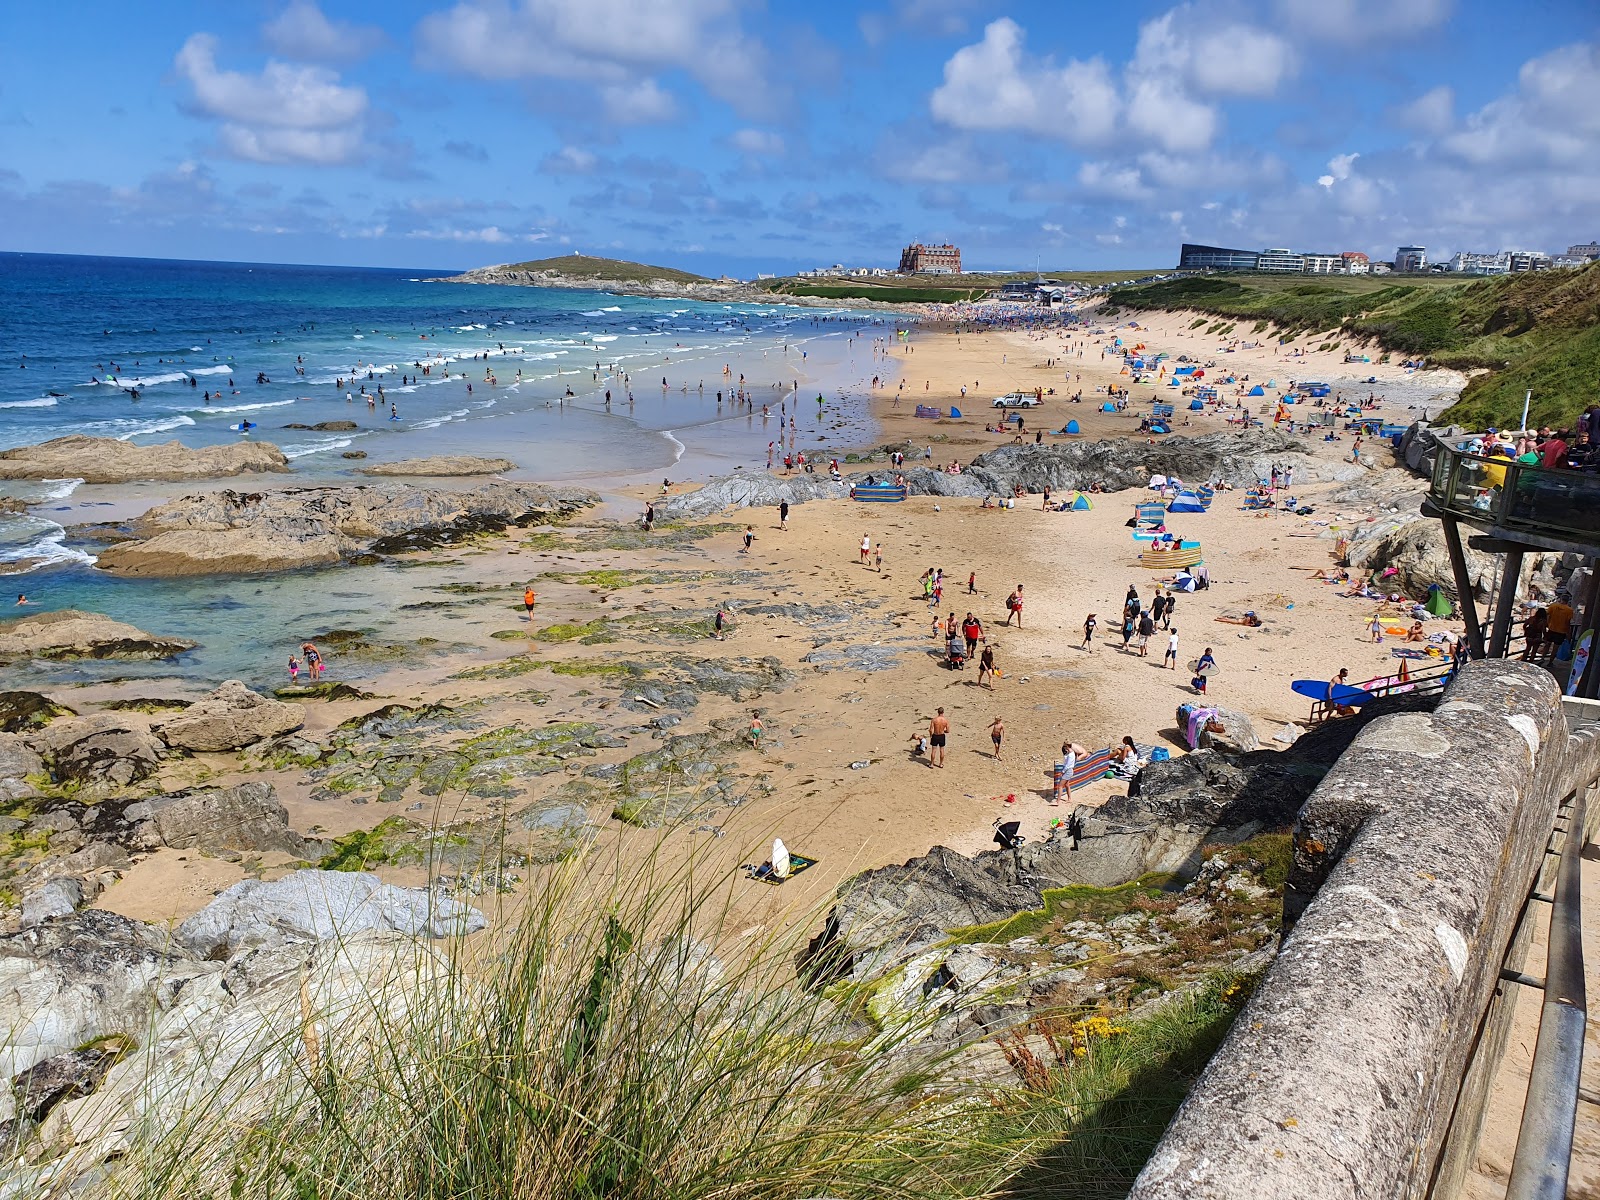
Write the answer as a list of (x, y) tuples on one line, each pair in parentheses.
[(1510, 495), (1544, 1142)]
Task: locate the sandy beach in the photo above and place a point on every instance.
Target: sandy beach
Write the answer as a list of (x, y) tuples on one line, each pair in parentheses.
[(860, 672)]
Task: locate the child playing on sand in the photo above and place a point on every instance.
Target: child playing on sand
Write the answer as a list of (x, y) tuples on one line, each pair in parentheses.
[(755, 729), (997, 733), (1089, 624)]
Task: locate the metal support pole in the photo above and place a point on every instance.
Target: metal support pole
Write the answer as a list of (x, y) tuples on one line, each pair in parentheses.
[(1506, 603), (1544, 1143), (1458, 567)]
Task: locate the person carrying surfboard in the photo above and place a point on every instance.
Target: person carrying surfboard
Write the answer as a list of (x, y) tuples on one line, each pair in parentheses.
[(1335, 685)]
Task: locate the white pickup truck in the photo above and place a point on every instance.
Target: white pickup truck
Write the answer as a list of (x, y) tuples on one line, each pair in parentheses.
[(1016, 400)]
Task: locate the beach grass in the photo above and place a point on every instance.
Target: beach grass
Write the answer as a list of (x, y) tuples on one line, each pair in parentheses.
[(607, 1046)]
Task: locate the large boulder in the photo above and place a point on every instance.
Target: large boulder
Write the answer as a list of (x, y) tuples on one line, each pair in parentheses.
[(68, 633), (69, 981), (1414, 546), (1230, 731), (231, 717), (315, 905), (107, 460), (101, 752), (246, 816), (231, 532)]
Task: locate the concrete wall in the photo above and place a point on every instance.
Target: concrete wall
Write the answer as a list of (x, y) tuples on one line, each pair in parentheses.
[(1341, 1077)]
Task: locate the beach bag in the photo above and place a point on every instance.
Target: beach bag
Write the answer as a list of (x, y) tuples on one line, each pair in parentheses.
[(1011, 603)]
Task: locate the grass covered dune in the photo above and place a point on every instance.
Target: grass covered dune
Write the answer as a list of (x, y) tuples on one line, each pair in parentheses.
[(602, 1049), (1537, 331)]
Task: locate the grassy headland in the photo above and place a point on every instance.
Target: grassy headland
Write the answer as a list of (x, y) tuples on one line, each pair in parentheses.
[(1538, 331), (583, 266)]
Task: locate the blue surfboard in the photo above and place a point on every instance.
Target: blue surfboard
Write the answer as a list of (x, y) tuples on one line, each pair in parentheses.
[(1317, 689)]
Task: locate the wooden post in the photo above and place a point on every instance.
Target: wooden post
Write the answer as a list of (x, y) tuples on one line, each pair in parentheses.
[(1458, 567), (1510, 575)]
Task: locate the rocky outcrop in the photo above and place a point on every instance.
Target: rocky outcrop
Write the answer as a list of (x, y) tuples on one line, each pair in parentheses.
[(18, 764), (326, 426), (1414, 546), (1116, 464), (107, 460), (442, 464), (101, 753), (229, 718), (69, 981), (68, 633), (21, 711), (318, 905), (230, 532)]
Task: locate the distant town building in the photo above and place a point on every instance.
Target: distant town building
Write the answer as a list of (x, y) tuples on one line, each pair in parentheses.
[(1570, 260), (1215, 258), (1281, 260), (1323, 264), (1528, 260), (1355, 262), (918, 259), (1590, 250), (1470, 263), (1379, 268), (1411, 258)]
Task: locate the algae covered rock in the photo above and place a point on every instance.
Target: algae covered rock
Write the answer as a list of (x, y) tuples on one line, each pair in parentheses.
[(68, 633)]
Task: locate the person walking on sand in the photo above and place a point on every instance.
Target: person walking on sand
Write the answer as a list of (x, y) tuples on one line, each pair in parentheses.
[(986, 667), (1089, 624), (938, 733), (1146, 628), (528, 600), (719, 629), (877, 557), (866, 546), (1171, 658), (972, 583), (1172, 607), (755, 729), (997, 733), (1014, 606), (1375, 628), (1205, 663), (783, 514), (972, 633), (749, 536)]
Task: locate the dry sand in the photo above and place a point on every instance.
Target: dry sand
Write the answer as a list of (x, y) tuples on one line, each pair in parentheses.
[(897, 807)]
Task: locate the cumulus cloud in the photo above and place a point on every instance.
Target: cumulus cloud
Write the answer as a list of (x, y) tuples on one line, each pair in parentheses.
[(617, 45), (1363, 22), (1551, 118), (1183, 60), (302, 31), (994, 85), (757, 141), (638, 103), (281, 114), (1338, 169), (488, 234), (1433, 112), (570, 160)]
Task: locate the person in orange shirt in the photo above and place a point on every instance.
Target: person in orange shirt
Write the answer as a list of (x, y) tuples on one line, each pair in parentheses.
[(528, 599), (1558, 623)]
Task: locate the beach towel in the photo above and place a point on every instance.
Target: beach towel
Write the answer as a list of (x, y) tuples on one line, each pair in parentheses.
[(1408, 652)]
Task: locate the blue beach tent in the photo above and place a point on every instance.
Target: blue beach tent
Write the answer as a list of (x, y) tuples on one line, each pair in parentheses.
[(1072, 427), (1258, 390), (1197, 406), (1186, 502), (1108, 407), (954, 411), (1082, 503)]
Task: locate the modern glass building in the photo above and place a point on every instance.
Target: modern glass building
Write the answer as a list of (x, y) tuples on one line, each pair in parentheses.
[(1215, 258)]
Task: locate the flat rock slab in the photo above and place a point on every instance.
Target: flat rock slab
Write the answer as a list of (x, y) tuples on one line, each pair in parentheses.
[(69, 633), (442, 464), (106, 460), (229, 718)]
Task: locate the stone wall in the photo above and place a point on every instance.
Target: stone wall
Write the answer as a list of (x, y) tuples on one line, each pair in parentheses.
[(1341, 1077)]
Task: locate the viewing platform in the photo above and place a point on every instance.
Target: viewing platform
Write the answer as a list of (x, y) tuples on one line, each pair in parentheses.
[(1517, 508)]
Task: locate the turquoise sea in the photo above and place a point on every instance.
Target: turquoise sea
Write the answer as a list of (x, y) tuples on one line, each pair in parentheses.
[(154, 350)]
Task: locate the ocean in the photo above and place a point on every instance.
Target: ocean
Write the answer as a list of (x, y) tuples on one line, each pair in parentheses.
[(150, 350)]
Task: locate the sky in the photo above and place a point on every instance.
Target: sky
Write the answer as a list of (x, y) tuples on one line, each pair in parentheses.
[(733, 136)]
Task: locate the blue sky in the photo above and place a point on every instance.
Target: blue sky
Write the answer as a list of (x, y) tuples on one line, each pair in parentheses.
[(728, 135)]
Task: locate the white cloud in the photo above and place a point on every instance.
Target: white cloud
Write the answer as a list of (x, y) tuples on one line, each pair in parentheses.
[(1552, 118), (757, 141), (1338, 169), (302, 31), (1433, 112), (282, 114), (489, 234), (993, 85), (1363, 22), (570, 160), (1162, 111), (613, 44), (638, 103)]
